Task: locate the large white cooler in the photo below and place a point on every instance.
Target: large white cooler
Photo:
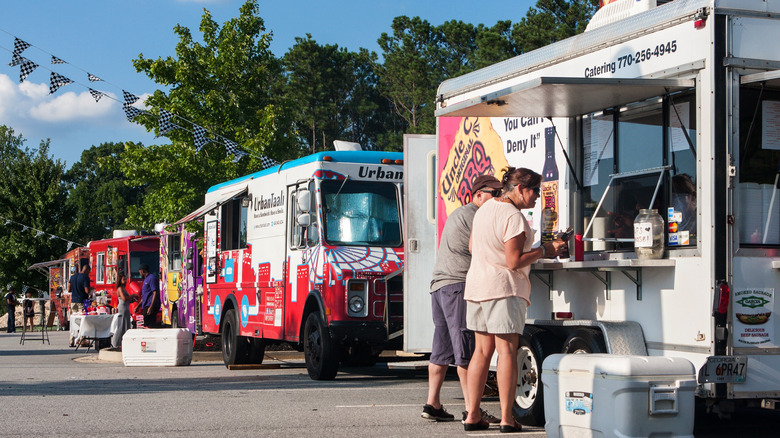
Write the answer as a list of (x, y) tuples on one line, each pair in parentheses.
[(157, 347), (605, 395)]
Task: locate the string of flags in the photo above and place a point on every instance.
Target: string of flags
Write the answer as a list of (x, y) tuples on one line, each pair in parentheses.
[(165, 119), (39, 233)]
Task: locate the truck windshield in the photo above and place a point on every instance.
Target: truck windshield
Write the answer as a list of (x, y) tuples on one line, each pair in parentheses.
[(138, 258), (360, 213)]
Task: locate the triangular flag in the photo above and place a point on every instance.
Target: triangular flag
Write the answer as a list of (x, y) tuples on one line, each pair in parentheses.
[(131, 112), (20, 46), (70, 244), (230, 146), (268, 162), (238, 155), (57, 81), (24, 288), (96, 94), (165, 123), (199, 134), (16, 59), (93, 78), (7, 221), (55, 60), (24, 228), (129, 98), (26, 68), (38, 233), (52, 237)]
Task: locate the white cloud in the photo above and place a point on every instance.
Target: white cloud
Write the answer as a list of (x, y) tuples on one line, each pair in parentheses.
[(69, 106)]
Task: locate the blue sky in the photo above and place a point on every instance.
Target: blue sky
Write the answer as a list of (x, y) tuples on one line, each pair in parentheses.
[(103, 36)]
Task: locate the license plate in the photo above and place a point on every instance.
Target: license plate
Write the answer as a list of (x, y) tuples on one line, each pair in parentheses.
[(724, 369)]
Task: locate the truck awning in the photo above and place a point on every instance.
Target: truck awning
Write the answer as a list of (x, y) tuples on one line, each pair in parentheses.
[(769, 78), (207, 207), (43, 265), (563, 97)]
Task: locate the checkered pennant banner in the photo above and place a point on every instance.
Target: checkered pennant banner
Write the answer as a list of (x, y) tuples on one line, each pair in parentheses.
[(70, 245), (38, 233), (199, 135), (237, 155), (24, 228), (20, 46), (165, 124), (26, 68), (55, 60), (129, 98), (230, 146), (24, 288), (93, 78), (52, 237), (16, 59), (131, 112), (268, 162), (96, 94), (57, 80)]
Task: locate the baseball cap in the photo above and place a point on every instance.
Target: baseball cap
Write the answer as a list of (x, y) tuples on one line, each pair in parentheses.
[(486, 181)]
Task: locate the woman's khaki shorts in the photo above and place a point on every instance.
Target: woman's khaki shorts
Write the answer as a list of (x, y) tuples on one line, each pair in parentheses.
[(505, 315)]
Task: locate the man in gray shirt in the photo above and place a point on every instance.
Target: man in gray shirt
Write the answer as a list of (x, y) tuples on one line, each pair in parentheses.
[(453, 343)]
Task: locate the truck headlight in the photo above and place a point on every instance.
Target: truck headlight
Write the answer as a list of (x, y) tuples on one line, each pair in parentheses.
[(356, 304), (357, 297)]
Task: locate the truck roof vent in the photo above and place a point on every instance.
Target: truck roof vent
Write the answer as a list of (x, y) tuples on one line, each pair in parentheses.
[(124, 233), (341, 145), (618, 10)]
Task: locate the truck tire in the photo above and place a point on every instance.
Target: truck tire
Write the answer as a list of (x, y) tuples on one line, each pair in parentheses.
[(256, 351), (234, 347), (322, 359), (535, 345), (584, 341), (175, 318)]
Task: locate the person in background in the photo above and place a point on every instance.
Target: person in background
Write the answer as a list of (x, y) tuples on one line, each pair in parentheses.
[(10, 306), (453, 343), (29, 311), (123, 310), (150, 296), (498, 290), (79, 290)]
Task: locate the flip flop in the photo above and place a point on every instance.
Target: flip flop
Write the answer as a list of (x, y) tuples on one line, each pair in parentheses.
[(508, 428), (470, 427)]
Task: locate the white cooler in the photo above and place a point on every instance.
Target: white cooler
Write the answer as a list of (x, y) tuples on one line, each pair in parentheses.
[(605, 395), (157, 347)]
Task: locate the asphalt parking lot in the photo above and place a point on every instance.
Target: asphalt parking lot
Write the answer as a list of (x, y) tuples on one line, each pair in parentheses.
[(50, 390)]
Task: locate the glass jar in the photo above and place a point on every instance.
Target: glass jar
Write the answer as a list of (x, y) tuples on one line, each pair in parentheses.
[(649, 234)]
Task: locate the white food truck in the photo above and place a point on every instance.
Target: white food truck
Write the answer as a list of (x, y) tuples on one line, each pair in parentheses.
[(672, 106)]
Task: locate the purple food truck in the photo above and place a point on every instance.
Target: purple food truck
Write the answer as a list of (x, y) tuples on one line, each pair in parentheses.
[(181, 282)]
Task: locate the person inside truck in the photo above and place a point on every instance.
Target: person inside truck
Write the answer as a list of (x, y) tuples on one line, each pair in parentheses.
[(453, 343), (498, 290)]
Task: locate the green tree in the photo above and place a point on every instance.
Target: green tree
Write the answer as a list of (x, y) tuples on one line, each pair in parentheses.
[(551, 21), (331, 95), (225, 85), (99, 195), (32, 193)]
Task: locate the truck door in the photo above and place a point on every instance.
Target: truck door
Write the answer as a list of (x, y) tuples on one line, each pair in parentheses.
[(302, 236), (420, 240)]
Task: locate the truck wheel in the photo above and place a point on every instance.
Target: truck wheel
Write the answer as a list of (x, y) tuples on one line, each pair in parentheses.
[(584, 341), (175, 318), (535, 345), (256, 351), (234, 347), (322, 360)]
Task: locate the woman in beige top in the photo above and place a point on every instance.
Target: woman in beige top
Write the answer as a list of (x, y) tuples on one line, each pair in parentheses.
[(498, 289)]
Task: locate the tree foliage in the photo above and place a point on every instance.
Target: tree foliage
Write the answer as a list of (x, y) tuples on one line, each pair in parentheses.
[(32, 193), (100, 196), (551, 21)]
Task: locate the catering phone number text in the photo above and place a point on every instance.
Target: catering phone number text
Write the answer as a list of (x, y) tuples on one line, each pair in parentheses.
[(630, 59)]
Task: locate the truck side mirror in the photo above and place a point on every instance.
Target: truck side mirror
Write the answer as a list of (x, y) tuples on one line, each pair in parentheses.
[(303, 220), (303, 200)]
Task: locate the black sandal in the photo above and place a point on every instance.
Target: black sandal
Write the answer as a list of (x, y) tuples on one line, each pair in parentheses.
[(507, 428), (470, 427)]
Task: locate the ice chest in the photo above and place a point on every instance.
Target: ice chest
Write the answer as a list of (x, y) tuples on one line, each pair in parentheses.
[(157, 347), (605, 395)]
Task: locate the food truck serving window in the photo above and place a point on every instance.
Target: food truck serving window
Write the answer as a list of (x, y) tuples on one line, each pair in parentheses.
[(174, 252), (360, 213), (234, 224), (756, 196), (100, 267), (138, 258), (641, 154)]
